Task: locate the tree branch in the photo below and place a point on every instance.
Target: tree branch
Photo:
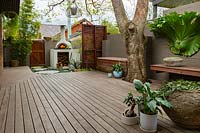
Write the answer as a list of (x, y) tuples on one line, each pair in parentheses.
[(141, 12), (120, 15), (51, 6)]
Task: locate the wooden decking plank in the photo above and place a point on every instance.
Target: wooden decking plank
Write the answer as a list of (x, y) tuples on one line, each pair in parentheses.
[(44, 115), (71, 123), (19, 123), (74, 112), (103, 93), (70, 102), (94, 109), (100, 94), (2, 94), (28, 122), (55, 121), (4, 109), (38, 125), (61, 117), (88, 117), (10, 122), (171, 128), (107, 109), (86, 107), (87, 92), (112, 89)]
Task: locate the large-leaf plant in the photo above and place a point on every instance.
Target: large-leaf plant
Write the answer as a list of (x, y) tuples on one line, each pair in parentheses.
[(181, 30), (150, 100)]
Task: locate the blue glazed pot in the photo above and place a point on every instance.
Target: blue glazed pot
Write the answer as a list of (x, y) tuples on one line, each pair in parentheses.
[(117, 74)]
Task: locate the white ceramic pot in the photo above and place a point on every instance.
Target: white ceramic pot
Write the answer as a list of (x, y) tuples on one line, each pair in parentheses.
[(148, 123), (129, 120), (109, 75)]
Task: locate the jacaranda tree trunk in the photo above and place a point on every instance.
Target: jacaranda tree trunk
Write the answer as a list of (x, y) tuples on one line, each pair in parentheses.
[(133, 32)]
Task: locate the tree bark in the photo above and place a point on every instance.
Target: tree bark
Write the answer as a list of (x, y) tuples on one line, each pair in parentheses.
[(133, 33)]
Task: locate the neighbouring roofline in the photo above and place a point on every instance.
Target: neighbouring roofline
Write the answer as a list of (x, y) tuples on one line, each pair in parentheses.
[(172, 3)]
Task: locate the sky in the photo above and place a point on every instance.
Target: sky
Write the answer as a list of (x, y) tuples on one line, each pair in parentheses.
[(61, 18)]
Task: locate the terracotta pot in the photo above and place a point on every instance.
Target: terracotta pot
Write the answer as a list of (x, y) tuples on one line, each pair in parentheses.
[(14, 63), (186, 108)]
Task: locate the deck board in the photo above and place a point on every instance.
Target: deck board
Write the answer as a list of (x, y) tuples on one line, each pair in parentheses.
[(70, 102)]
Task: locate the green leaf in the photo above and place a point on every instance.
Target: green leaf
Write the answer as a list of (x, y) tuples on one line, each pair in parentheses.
[(164, 102), (147, 86), (139, 86), (181, 30), (152, 105)]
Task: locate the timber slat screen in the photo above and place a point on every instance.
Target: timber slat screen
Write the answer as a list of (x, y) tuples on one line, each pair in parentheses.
[(37, 56), (92, 37), (70, 102)]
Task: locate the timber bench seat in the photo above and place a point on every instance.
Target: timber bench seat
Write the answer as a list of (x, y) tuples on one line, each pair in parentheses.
[(104, 64), (183, 70)]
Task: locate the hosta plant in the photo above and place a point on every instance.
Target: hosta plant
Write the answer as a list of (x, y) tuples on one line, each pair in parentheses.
[(181, 30)]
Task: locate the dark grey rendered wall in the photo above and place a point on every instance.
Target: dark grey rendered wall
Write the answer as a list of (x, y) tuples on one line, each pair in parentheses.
[(157, 49), (114, 46)]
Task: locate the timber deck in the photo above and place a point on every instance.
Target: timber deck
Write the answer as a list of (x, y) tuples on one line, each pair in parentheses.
[(69, 102)]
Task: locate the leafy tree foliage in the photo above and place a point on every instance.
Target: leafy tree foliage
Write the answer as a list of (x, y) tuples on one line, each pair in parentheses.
[(111, 28), (20, 30)]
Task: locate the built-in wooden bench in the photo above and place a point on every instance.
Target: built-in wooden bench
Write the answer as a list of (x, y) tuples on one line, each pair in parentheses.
[(183, 70), (105, 63)]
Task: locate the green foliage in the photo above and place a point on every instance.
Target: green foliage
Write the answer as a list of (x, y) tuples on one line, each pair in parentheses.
[(28, 25), (181, 30), (150, 100), (179, 85), (74, 64), (111, 28), (20, 30), (117, 67), (130, 102), (11, 27), (20, 49)]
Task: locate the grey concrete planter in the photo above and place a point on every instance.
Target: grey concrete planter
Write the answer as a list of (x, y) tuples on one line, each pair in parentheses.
[(173, 61), (148, 123)]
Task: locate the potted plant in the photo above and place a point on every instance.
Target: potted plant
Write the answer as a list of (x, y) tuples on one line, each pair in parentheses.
[(182, 32), (117, 70), (129, 117), (148, 105), (184, 95)]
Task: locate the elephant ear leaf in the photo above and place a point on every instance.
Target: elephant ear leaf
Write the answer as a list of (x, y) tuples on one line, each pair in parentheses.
[(152, 105), (139, 86)]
